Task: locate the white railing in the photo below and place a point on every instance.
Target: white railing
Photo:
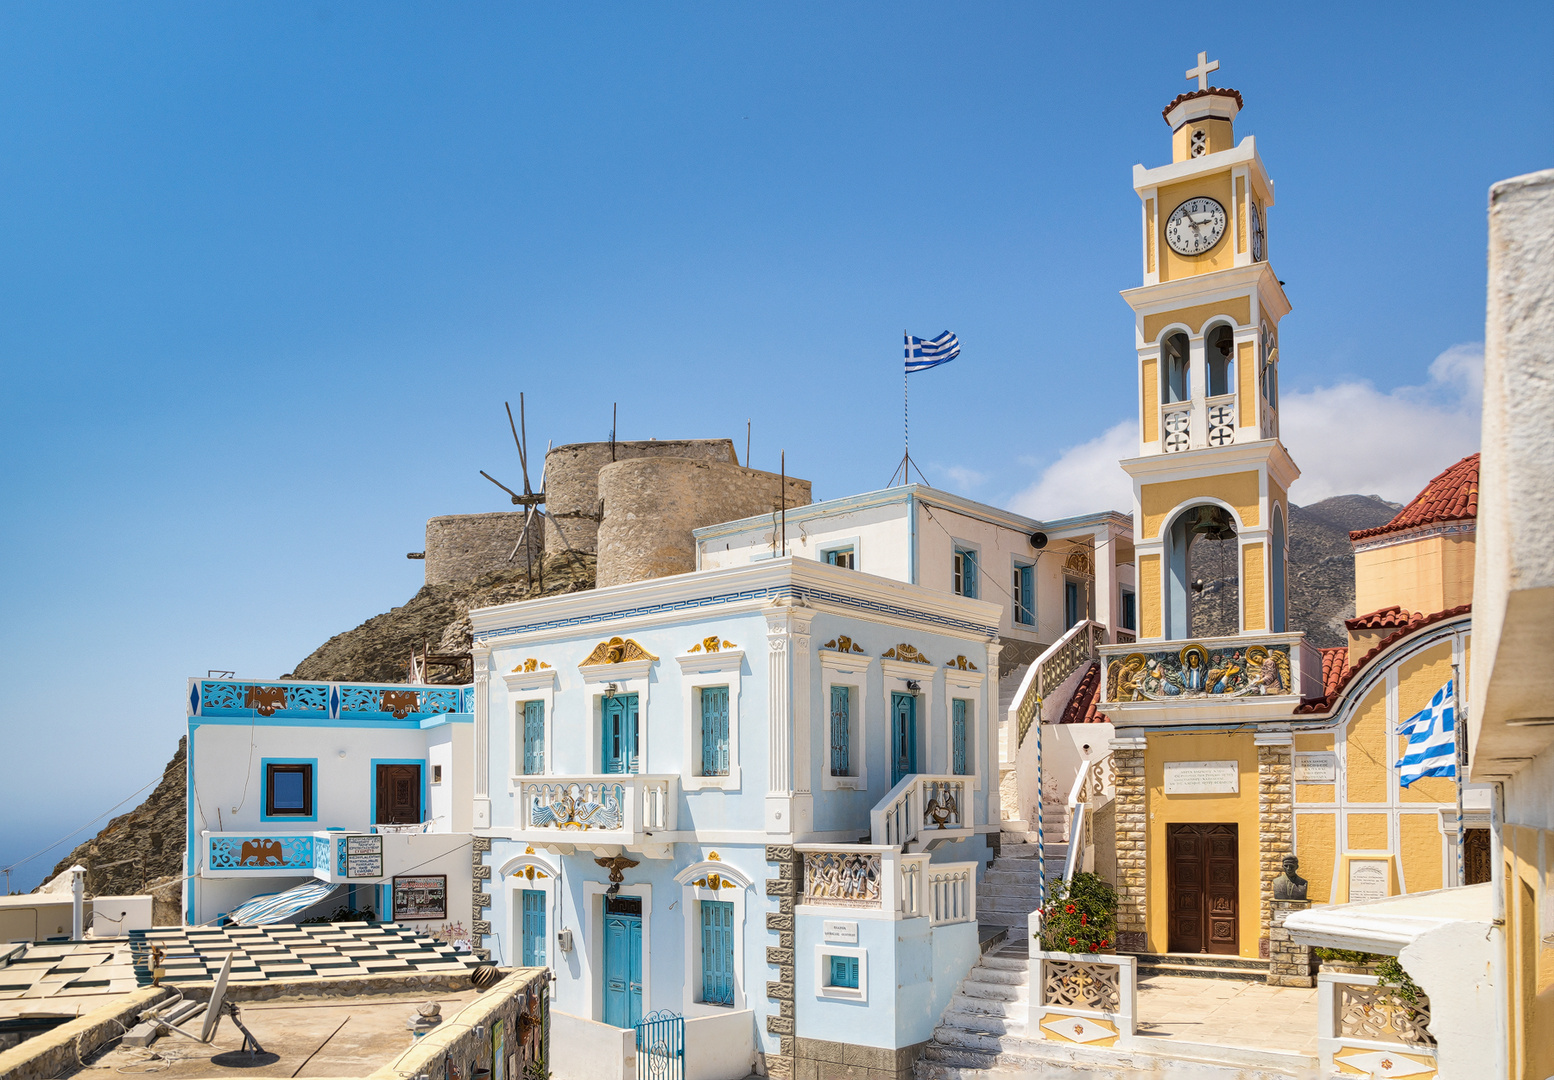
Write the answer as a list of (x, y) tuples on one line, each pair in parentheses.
[(1051, 669), (952, 893), (1358, 1017), (1175, 427), (1082, 997), (1093, 786), (864, 876), (921, 809), (622, 806)]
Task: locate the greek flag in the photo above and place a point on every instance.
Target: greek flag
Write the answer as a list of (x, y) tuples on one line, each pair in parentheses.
[(1432, 739), (924, 353)]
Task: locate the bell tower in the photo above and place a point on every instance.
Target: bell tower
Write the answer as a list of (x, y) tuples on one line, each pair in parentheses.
[(1206, 318)]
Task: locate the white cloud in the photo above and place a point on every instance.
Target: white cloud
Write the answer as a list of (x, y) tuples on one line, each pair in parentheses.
[(962, 480), (1349, 438)]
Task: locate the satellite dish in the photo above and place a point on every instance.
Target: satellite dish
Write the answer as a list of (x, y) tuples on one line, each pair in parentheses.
[(217, 996), (1038, 540)]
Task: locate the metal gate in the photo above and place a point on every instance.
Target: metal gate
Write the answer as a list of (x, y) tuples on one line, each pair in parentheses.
[(661, 1047)]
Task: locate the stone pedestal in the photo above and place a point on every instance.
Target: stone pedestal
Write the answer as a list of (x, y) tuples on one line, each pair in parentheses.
[(1289, 963)]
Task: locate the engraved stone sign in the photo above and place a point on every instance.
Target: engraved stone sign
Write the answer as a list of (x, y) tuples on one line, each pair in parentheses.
[(1202, 778), (1321, 768), (1367, 879), (843, 932)]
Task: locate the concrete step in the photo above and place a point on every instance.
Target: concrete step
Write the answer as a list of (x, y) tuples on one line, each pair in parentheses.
[(1023, 875), (939, 1056), (992, 991), (1201, 971), (1026, 890), (1000, 976), (983, 1006), (1000, 962), (984, 1023), (982, 1041), (1025, 851), (1013, 919)]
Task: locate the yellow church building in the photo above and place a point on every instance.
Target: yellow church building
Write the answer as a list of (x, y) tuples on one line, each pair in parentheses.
[(1239, 743)]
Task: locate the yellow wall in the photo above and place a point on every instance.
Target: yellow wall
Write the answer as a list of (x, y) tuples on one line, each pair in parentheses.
[(1239, 809), (1422, 851), (1315, 793), (1237, 489), (1220, 256), (1149, 394), (1427, 575), (1149, 596), (1221, 136), (1531, 985), (1365, 770), (1238, 308), (1246, 368), (1316, 845), (1368, 832), (1419, 677), (1253, 616)]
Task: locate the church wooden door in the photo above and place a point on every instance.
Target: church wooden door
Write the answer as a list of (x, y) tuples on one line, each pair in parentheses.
[(1202, 870)]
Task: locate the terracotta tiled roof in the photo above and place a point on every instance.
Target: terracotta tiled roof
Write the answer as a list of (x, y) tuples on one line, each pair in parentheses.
[(1452, 496), (1166, 112), (1081, 707), (1382, 619), (1335, 676)]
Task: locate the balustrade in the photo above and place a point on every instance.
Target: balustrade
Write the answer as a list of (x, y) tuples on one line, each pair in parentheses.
[(868, 876), (624, 806), (920, 811), (1065, 656), (1359, 1020), (952, 893)]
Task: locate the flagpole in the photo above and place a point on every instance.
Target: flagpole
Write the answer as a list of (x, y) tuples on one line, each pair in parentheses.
[(1459, 737)]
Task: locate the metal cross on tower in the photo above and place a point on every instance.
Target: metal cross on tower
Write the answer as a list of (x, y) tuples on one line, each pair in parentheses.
[(1201, 72)]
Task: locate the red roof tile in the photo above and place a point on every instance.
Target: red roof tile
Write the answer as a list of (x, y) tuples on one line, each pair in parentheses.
[(1166, 112), (1451, 496), (1382, 619), (1335, 676), (1081, 707)]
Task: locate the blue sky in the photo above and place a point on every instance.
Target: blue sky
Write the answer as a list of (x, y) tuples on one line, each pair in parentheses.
[(271, 270)]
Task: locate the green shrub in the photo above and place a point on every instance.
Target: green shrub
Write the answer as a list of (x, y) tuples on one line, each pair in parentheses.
[(1080, 916), (343, 914), (1348, 956), (1391, 973)]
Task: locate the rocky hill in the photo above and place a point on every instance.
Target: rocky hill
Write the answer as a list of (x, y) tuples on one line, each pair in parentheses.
[(1321, 585)]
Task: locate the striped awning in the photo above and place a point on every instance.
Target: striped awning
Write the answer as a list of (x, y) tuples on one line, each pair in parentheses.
[(278, 907)]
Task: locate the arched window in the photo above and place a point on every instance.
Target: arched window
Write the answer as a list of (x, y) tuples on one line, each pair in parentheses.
[(1174, 362), (1203, 580), (1276, 576), (1218, 354)]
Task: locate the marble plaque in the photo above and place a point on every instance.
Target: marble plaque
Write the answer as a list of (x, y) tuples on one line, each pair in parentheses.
[(841, 932), (1202, 778), (1367, 880), (1321, 768)]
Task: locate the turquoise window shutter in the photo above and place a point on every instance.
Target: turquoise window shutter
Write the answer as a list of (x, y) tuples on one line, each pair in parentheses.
[(533, 928), (841, 731), (971, 574), (958, 736), (714, 731), (844, 971), (533, 737), (717, 952)]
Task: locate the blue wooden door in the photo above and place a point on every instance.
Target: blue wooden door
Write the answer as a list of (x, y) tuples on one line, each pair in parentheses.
[(717, 952), (622, 962), (903, 736), (533, 901), (619, 742)]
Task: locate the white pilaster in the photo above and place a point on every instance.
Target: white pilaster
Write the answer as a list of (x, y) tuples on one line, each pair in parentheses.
[(481, 656), (789, 802)]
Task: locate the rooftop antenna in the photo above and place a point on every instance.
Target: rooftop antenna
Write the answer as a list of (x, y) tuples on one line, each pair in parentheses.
[(747, 442), (615, 409), (782, 501)]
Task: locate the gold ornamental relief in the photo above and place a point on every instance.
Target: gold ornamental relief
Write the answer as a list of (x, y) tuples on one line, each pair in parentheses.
[(1080, 562), (907, 653), (842, 643), (711, 644), (529, 665), (617, 651), (960, 663)]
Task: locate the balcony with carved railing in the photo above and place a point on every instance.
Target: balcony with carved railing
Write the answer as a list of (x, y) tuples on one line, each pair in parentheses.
[(1362, 1023), (922, 812), (276, 702), (338, 855), (625, 809), (1184, 681)]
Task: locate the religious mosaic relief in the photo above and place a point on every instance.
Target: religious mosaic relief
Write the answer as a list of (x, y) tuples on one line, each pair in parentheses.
[(842, 643), (842, 878), (617, 651), (1195, 671), (907, 653), (711, 644)]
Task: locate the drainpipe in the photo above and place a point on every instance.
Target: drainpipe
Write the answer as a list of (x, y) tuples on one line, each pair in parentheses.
[(77, 902)]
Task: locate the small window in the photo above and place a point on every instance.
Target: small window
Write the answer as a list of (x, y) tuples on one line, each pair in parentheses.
[(714, 731), (965, 572), (533, 738), (841, 730), (1218, 353), (1130, 613), (961, 714), (1024, 593), (1174, 356), (436, 774), (288, 791), (844, 972), (845, 557)]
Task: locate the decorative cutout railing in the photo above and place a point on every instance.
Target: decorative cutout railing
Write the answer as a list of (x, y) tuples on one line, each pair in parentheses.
[(920, 809), (1378, 1014), (1076, 647), (617, 803), (334, 701), (1082, 997), (1077, 984), (952, 893), (237, 851), (1176, 430)]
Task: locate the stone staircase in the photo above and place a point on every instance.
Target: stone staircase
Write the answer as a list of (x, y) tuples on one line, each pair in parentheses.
[(1202, 966), (1008, 891), (992, 1002)]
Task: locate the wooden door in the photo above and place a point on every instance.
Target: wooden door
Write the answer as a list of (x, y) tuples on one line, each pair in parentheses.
[(622, 961), (618, 740), (1204, 900), (533, 902), (399, 794), (903, 736)]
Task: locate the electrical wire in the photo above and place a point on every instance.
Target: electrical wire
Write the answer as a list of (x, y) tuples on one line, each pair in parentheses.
[(83, 828)]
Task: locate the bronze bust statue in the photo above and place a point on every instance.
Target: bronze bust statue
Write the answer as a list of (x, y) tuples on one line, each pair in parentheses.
[(1289, 885)]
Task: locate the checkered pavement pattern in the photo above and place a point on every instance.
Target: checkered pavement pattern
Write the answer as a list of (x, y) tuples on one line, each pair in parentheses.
[(348, 950)]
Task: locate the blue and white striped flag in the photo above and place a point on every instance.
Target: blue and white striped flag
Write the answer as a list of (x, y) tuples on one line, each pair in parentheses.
[(1432, 739), (924, 353)]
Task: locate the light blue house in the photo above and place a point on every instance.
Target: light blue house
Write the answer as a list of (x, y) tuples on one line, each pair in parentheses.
[(755, 796)]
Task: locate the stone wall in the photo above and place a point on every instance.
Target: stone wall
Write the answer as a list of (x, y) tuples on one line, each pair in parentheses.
[(462, 547), (1290, 963), (784, 888), (1132, 842), (652, 504), (1275, 823), (572, 482)]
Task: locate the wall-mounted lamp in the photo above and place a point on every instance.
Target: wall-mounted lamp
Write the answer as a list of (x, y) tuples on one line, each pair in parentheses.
[(611, 689), (912, 685)]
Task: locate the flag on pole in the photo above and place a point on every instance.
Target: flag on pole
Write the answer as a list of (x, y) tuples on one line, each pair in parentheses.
[(1432, 739), (924, 353)]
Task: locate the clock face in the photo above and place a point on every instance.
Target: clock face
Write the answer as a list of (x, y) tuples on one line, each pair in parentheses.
[(1257, 234), (1195, 226)]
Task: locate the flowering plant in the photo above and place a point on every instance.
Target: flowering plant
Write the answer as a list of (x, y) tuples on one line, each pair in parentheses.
[(1080, 915)]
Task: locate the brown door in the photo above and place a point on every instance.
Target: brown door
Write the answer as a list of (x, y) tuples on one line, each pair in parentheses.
[(399, 794), (1202, 871), (1476, 861)]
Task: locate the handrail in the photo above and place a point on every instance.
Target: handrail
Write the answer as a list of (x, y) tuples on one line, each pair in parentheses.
[(920, 804), (1077, 646), (1076, 842)]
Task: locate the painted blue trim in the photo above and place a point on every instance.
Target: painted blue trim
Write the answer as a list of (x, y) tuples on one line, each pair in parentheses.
[(912, 538), (191, 804), (264, 800), (372, 784), (774, 592), (299, 722)]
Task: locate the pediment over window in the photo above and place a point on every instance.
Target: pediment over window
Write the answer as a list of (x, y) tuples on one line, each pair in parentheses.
[(617, 651), (906, 653)]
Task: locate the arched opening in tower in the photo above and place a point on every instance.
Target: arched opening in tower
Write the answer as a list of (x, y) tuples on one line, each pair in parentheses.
[(1203, 595)]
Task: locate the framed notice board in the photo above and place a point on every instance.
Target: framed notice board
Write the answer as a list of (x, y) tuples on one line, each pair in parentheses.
[(424, 896)]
